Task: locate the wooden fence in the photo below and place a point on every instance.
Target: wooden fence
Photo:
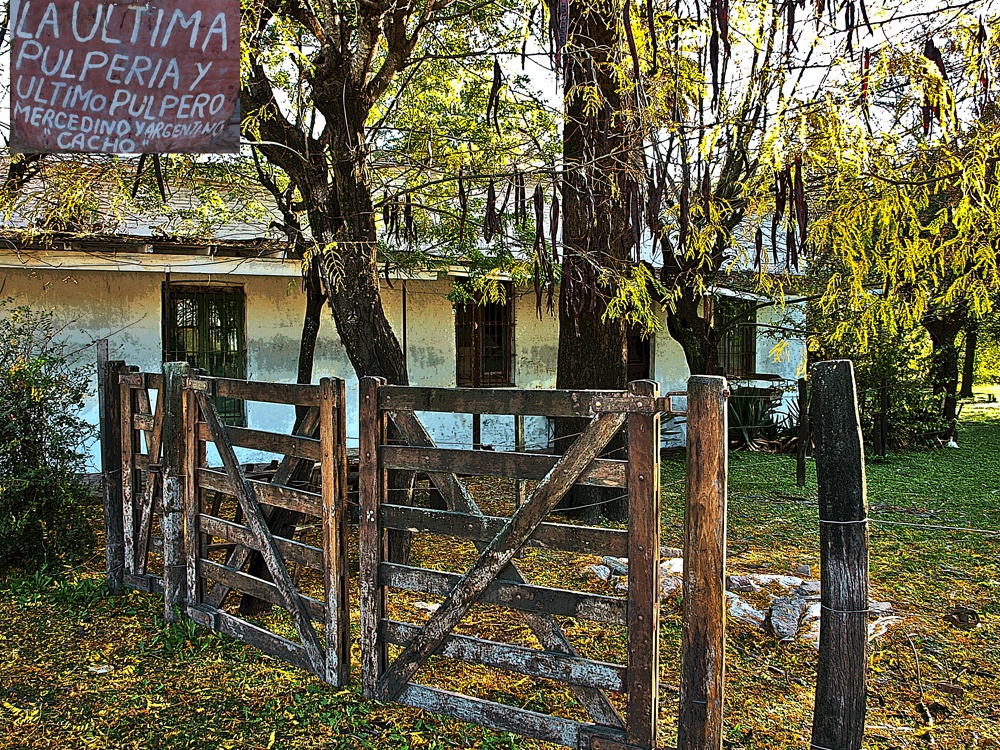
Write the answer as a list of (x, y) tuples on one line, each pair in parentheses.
[(212, 540)]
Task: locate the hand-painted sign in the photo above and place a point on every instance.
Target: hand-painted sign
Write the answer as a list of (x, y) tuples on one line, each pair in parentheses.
[(154, 77)]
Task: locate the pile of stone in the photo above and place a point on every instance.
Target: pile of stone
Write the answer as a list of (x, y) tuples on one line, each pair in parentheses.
[(794, 609)]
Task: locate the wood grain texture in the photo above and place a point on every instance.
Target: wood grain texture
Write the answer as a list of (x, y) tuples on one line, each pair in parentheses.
[(152, 479), (128, 456), (499, 553), (703, 633), (586, 540), (841, 674), (275, 393), (372, 548), (334, 522), (641, 718), (269, 442), (571, 670), (172, 520), (551, 403), (111, 464), (520, 596), (600, 473)]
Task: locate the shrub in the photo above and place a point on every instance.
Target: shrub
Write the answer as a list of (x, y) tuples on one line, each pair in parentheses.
[(42, 389)]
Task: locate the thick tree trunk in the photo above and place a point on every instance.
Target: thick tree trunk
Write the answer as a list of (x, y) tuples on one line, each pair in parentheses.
[(969, 368), (597, 155), (944, 330), (697, 336)]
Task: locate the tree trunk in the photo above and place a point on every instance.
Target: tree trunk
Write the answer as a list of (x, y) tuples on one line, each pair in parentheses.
[(944, 329), (697, 336), (599, 149), (969, 368)]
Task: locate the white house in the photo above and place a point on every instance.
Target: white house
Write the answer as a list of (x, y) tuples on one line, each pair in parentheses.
[(237, 309)]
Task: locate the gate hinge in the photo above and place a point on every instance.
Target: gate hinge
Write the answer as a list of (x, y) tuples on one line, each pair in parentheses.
[(203, 385)]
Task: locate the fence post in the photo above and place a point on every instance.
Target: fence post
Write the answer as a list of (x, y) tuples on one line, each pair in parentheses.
[(803, 446), (703, 634), (839, 714), (644, 570), (174, 479), (110, 407)]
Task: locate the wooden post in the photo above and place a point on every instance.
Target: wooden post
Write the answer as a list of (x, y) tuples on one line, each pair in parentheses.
[(839, 715), (372, 486), (174, 479), (333, 449), (643, 571), (110, 406), (703, 634), (803, 447)]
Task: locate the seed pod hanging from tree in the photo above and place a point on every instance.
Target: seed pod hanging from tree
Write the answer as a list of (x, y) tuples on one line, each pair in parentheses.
[(554, 222), (491, 222), (684, 217), (493, 103), (800, 197), (758, 244)]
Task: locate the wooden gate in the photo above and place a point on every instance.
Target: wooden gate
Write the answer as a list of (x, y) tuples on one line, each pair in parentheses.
[(494, 578), (142, 484), (215, 572)]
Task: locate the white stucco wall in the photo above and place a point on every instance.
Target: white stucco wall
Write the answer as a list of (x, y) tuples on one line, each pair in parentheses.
[(125, 306)]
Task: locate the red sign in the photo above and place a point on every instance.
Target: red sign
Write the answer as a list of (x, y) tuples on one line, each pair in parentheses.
[(160, 77)]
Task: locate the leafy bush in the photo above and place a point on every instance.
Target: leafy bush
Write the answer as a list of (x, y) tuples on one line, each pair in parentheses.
[(42, 389)]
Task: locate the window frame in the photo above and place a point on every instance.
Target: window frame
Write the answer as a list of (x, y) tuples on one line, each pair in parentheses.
[(232, 411), (472, 375), (737, 349)]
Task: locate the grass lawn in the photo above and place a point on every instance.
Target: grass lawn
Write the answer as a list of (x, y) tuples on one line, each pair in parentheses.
[(185, 687)]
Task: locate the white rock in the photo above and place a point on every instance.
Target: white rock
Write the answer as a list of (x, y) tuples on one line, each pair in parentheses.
[(673, 566), (881, 626), (785, 582), (601, 571), (426, 606), (740, 610)]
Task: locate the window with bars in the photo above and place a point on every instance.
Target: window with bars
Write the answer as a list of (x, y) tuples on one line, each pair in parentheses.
[(738, 345), (484, 342), (204, 326)]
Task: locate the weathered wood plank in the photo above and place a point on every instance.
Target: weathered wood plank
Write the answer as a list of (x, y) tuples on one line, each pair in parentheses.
[(275, 393), (111, 465), (519, 596), (174, 474), (270, 442), (372, 546), (196, 541), (291, 550), (150, 583), (257, 524), (300, 501), (154, 442), (529, 661), (842, 671), (600, 473), (549, 403), (143, 422), (703, 634), (256, 587), (334, 520), (494, 715), (545, 627), (566, 537), (501, 551), (129, 466), (252, 635), (643, 571)]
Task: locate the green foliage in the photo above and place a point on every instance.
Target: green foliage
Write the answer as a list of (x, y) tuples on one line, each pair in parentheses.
[(42, 389), (901, 360)]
